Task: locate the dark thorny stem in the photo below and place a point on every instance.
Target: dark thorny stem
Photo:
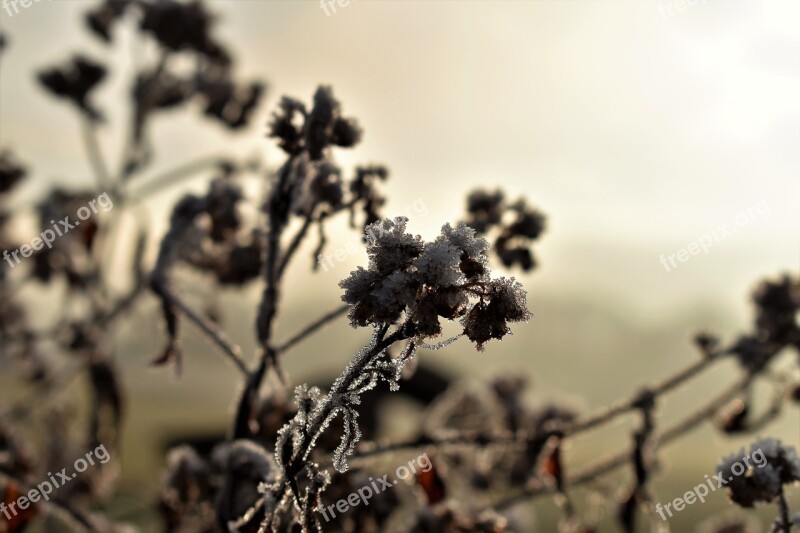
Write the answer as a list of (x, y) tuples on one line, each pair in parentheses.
[(278, 215)]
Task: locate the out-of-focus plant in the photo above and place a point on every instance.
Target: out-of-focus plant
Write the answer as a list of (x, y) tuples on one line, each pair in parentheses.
[(287, 454), (45, 428)]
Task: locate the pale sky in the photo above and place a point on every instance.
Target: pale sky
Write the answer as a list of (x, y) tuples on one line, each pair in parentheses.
[(634, 126)]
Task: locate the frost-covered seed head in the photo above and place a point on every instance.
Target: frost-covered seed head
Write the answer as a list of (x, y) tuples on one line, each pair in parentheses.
[(772, 466), (426, 281)]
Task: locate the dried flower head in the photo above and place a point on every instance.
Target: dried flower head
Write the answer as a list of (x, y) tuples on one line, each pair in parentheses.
[(11, 172), (315, 130), (777, 306), (74, 82), (364, 189), (101, 19), (489, 319), (179, 26), (515, 225), (754, 354), (426, 281), (762, 482)]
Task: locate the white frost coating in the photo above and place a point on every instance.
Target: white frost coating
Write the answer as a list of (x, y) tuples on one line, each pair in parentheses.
[(439, 345), (350, 437)]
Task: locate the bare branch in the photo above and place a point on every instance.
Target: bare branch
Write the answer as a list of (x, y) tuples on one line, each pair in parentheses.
[(215, 334), (314, 326)]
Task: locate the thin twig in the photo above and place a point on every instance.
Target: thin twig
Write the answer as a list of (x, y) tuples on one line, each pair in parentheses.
[(621, 459), (138, 138), (295, 244), (175, 176), (217, 336), (657, 390), (122, 305), (466, 438), (314, 326)]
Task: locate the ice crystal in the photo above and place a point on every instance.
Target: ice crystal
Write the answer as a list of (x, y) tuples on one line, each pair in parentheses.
[(442, 344), (350, 437), (390, 248), (307, 399), (464, 238), (439, 265)]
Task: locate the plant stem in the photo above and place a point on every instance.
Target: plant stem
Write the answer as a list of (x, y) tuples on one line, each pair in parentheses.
[(217, 336), (661, 388), (340, 386), (783, 509), (277, 207), (98, 164), (175, 176), (295, 244), (465, 438), (621, 459), (311, 328)]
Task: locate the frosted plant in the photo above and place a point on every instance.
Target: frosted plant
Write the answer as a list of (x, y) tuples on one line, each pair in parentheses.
[(421, 283), (287, 455), (409, 285), (763, 482)]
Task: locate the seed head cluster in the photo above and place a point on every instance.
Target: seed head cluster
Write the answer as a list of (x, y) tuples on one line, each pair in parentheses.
[(423, 282), (765, 483)]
